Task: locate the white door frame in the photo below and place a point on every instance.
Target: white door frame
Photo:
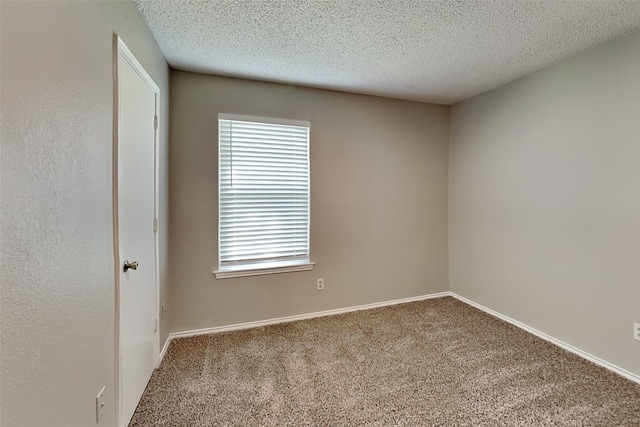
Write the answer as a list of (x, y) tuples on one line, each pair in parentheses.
[(121, 52)]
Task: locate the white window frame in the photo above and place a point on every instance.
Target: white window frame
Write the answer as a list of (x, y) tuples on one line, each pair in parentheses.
[(267, 266)]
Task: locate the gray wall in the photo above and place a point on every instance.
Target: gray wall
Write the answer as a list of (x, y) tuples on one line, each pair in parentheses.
[(57, 267), (544, 201), (378, 201)]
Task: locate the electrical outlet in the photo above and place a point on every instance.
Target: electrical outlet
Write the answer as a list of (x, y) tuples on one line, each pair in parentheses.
[(100, 404), (320, 284), (636, 331), (163, 312)]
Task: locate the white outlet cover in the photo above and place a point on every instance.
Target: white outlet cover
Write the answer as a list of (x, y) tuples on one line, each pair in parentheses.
[(636, 331)]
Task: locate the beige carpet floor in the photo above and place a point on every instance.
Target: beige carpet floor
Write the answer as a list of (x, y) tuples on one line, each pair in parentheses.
[(437, 362)]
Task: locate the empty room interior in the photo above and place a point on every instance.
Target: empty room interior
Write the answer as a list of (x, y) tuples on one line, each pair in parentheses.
[(463, 246)]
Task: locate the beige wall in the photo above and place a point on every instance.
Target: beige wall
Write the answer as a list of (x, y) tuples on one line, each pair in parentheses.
[(57, 266), (544, 203), (378, 201)]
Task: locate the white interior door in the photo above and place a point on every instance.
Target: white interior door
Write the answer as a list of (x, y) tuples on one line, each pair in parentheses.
[(136, 165)]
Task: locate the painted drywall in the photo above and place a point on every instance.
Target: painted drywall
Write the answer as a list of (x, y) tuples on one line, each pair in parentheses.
[(57, 266), (544, 203), (378, 201)]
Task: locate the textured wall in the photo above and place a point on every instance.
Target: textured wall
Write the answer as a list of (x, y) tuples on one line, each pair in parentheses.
[(378, 201), (57, 234), (544, 201)]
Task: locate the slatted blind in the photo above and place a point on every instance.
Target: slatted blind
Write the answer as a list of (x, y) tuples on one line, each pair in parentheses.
[(263, 190)]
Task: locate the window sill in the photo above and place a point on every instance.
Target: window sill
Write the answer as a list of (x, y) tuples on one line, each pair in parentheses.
[(258, 269)]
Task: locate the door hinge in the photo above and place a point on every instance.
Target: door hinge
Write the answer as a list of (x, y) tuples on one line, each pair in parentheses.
[(155, 122), (155, 325), (155, 225)]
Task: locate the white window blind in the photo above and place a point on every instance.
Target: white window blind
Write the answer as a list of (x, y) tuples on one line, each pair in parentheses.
[(263, 190)]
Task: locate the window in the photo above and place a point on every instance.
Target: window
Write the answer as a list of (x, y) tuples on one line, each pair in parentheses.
[(263, 189)]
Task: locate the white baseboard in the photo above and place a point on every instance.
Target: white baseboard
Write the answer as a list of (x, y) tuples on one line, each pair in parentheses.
[(275, 321), (164, 350), (610, 366)]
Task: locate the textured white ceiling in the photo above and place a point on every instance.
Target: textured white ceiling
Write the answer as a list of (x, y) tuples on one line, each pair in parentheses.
[(432, 51)]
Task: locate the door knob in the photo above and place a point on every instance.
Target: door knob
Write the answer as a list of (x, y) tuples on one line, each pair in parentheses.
[(133, 265)]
